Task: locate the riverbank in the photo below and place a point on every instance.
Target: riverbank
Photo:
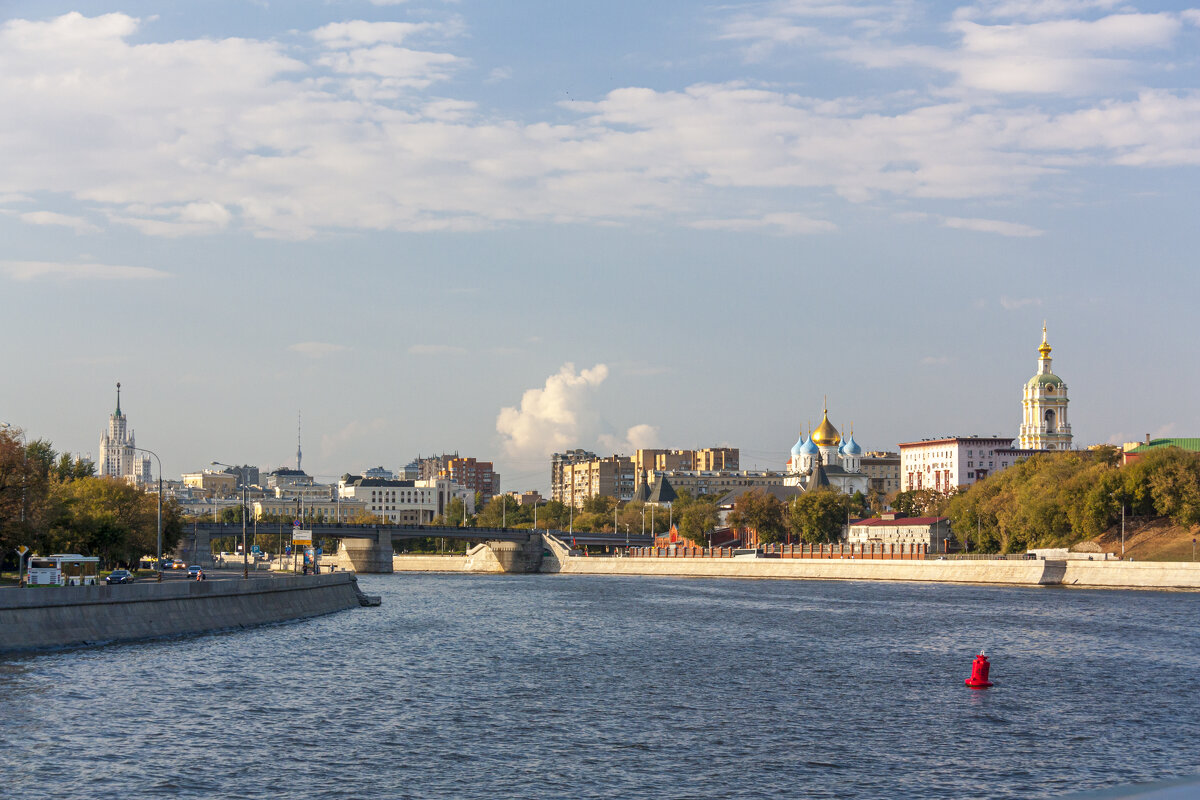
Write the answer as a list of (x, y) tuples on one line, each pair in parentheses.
[(32, 619), (1074, 573)]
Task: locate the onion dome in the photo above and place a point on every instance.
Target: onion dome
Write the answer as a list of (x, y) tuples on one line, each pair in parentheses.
[(1044, 349), (809, 449), (798, 447), (826, 435), (850, 447)]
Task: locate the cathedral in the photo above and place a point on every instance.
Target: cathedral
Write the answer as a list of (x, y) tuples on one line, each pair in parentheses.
[(1044, 424), (119, 457), (825, 459)]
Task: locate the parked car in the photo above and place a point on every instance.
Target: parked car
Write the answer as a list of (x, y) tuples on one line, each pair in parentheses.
[(195, 571), (177, 564), (119, 576)]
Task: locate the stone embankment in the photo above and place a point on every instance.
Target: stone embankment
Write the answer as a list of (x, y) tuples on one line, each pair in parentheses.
[(79, 615), (1077, 573)]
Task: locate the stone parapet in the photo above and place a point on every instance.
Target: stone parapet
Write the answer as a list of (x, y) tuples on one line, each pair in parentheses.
[(80, 615)]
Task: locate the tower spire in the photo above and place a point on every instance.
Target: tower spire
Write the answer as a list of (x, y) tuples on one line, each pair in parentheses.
[(1044, 349), (118, 398), (297, 441)]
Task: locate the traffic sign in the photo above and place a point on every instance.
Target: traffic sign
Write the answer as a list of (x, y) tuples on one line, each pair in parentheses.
[(301, 536), (22, 549)]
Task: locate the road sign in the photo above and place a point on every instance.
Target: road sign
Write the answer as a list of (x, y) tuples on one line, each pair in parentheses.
[(22, 549), (301, 536)]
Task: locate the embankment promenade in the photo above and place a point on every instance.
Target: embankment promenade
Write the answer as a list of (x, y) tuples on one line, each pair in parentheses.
[(1079, 573), (67, 616)]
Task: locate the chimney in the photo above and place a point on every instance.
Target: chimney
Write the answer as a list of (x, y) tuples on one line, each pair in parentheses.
[(1147, 439)]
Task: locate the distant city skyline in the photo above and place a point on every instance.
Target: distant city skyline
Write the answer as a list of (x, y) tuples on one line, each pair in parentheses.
[(509, 231)]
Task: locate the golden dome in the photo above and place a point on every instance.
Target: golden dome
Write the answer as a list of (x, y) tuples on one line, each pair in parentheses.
[(1045, 348), (826, 435)]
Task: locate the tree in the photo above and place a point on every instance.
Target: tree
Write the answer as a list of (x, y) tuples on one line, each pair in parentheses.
[(697, 521), (918, 502), (761, 512), (818, 516), (600, 504), (503, 509)]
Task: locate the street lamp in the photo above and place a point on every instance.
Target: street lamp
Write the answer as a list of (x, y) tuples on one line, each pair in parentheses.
[(158, 558), (245, 555)]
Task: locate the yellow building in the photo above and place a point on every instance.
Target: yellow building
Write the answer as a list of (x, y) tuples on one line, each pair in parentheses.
[(213, 484)]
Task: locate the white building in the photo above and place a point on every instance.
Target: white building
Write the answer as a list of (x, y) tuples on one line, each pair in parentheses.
[(824, 459), (932, 532), (945, 464), (404, 502), (119, 457), (1044, 424)]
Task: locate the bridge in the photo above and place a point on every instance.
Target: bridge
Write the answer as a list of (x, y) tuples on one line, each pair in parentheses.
[(370, 547)]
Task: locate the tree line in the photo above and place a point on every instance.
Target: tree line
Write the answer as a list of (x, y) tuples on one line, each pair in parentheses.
[(1060, 499), (52, 502)]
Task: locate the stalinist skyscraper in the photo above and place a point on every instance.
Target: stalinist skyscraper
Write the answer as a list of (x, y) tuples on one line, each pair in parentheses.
[(1044, 424), (118, 458)]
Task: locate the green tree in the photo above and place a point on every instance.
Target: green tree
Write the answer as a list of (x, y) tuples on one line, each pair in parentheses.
[(918, 502), (761, 512), (600, 504), (697, 521), (818, 516)]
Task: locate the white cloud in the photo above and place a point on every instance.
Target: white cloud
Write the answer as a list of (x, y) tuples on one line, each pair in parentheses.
[(356, 33), (1001, 227), (779, 222), (1015, 303), (636, 438), (65, 271), (435, 350), (77, 224), (316, 349), (561, 415), (194, 137)]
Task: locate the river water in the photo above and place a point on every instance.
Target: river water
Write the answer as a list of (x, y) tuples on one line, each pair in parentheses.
[(578, 686)]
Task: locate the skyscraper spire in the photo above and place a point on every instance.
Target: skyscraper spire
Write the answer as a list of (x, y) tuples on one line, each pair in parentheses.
[(297, 441), (118, 412)]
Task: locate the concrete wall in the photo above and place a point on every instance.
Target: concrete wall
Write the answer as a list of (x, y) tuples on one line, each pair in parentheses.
[(39, 618), (1133, 574), (1002, 572), (1107, 574)]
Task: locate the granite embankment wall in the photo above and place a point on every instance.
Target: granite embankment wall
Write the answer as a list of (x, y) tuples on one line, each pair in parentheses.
[(78, 615), (1094, 574)]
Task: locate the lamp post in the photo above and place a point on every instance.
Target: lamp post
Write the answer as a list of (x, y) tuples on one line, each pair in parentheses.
[(158, 558), (245, 554)]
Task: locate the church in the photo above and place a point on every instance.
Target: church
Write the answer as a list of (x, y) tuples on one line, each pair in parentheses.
[(1044, 423), (824, 459)]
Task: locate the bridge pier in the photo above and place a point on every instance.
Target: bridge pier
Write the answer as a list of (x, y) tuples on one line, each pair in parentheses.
[(368, 555), (515, 557)]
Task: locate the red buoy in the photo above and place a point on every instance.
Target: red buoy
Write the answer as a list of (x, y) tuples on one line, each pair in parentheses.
[(979, 673)]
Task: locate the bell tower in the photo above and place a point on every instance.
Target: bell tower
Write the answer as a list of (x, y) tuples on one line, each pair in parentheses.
[(1044, 422)]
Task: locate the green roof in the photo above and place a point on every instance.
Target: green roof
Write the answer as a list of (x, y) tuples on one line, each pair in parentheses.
[(1182, 444), (1044, 377)]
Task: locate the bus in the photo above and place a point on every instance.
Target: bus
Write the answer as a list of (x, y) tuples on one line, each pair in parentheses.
[(63, 569)]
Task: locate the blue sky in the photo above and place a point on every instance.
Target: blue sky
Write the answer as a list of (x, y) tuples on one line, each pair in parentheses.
[(503, 231)]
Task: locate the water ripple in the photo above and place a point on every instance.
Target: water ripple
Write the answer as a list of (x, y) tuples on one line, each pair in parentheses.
[(601, 687)]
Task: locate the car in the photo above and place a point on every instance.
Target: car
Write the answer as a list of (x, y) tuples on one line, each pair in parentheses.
[(195, 571), (177, 564), (119, 576)]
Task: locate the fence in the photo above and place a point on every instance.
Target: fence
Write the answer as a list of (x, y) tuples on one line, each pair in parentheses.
[(906, 552)]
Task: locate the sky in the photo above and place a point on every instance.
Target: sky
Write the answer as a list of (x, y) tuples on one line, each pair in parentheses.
[(505, 229)]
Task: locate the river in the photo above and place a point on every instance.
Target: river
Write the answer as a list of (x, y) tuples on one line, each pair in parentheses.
[(471, 686)]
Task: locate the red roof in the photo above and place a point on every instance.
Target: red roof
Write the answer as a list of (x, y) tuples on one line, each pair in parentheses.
[(877, 522)]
